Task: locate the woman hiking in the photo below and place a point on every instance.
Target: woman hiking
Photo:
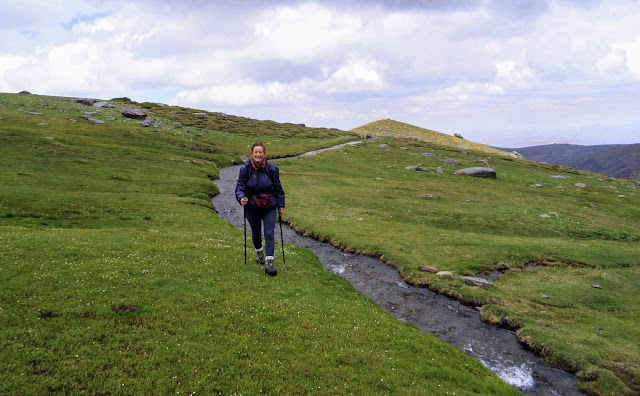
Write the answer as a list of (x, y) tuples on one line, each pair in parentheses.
[(260, 192)]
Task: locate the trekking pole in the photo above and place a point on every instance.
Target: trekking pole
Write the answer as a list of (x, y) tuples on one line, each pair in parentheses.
[(244, 207), (281, 236)]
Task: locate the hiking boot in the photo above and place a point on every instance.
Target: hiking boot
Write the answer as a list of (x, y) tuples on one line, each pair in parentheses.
[(260, 257), (269, 269)]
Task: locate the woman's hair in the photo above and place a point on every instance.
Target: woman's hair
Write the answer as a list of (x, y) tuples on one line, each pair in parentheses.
[(258, 144)]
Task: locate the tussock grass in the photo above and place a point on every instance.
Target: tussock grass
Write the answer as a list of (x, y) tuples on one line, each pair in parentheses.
[(117, 277), (371, 204)]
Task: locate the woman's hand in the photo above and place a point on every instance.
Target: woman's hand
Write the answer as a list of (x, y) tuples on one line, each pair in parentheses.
[(244, 200), (280, 211)]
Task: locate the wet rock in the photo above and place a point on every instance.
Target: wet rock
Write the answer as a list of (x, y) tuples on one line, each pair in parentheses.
[(479, 282), (136, 114), (94, 121), (426, 268), (451, 161), (477, 172)]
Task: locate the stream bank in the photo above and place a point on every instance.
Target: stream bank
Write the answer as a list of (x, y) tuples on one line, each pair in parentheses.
[(446, 319)]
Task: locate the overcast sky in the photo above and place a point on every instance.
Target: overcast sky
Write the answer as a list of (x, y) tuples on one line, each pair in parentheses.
[(505, 73)]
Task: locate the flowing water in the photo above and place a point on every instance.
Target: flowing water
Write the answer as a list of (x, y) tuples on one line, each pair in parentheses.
[(446, 319)]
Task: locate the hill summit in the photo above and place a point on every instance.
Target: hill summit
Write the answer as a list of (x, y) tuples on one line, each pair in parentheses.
[(399, 129)]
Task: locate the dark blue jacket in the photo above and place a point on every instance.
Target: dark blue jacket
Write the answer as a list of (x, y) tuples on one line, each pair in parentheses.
[(264, 180)]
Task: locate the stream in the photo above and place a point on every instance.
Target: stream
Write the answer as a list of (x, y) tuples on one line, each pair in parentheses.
[(459, 325)]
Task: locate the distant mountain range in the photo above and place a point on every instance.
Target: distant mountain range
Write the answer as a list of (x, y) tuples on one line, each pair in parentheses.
[(616, 160)]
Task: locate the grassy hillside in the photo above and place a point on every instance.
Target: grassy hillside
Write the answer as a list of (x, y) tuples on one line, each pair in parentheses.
[(400, 130), (579, 307), (616, 160), (117, 277)]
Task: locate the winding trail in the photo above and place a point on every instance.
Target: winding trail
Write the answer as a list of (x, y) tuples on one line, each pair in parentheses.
[(446, 319)]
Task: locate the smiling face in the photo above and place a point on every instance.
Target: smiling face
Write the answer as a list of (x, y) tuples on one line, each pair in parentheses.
[(257, 154)]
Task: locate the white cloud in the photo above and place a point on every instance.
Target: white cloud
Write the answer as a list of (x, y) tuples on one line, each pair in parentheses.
[(355, 76)]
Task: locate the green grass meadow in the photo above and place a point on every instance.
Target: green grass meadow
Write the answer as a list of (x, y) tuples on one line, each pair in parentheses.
[(118, 277), (579, 307)]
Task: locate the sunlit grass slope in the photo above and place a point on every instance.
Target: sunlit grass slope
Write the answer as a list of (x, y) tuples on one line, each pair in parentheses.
[(117, 277), (579, 308), (400, 130)]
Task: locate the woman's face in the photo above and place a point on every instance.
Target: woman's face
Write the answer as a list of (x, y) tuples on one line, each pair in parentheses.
[(257, 154)]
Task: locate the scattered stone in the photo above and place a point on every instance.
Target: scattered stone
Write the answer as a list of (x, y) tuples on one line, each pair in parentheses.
[(451, 161), (460, 146), (580, 185), (201, 114), (477, 172), (445, 274), (150, 123), (559, 177), (536, 185), (596, 286), (544, 296), (429, 196), (85, 101), (72, 120), (439, 170), (479, 282), (177, 125), (481, 161), (103, 104), (459, 136), (426, 268), (33, 113), (428, 154), (93, 121), (42, 123), (25, 92), (412, 168), (382, 145), (554, 213), (134, 113), (545, 216), (621, 196), (91, 112)]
